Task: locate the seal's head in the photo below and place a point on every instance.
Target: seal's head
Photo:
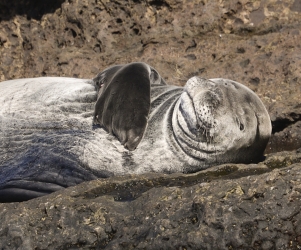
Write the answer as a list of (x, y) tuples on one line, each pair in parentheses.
[(220, 120)]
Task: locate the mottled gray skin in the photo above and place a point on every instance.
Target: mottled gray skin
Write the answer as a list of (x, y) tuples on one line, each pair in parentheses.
[(48, 140), (123, 101)]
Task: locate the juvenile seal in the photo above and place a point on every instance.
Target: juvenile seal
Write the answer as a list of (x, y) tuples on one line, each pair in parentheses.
[(48, 141)]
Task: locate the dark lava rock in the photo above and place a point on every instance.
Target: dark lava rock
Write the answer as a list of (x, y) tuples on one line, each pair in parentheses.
[(231, 206)]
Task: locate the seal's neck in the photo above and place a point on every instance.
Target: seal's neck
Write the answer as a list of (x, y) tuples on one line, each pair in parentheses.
[(193, 151)]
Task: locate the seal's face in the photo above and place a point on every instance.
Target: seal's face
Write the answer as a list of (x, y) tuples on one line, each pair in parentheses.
[(224, 119)]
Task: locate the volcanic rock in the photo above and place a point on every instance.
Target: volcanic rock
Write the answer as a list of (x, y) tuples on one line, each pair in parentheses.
[(232, 206)]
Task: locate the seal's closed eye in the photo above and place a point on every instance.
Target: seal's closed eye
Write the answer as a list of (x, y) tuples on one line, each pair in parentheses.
[(124, 101)]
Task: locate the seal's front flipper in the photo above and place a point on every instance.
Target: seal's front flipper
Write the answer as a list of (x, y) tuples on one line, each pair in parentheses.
[(124, 101)]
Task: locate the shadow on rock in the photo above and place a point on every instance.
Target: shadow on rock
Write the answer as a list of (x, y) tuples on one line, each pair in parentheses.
[(32, 9)]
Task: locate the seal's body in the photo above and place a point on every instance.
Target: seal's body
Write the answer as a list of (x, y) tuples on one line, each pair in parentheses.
[(49, 139)]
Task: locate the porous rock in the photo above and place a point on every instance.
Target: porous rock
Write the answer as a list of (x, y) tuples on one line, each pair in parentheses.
[(232, 206)]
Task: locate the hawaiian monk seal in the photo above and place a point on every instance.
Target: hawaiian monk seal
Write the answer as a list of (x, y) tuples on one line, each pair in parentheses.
[(48, 141)]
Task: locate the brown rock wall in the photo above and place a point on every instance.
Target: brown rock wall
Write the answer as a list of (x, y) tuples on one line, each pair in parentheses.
[(256, 43)]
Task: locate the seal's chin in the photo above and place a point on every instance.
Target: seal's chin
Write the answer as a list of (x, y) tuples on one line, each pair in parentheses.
[(194, 126), (187, 111), (190, 134)]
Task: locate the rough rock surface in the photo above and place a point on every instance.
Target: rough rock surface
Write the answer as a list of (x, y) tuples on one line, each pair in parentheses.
[(239, 207), (232, 206)]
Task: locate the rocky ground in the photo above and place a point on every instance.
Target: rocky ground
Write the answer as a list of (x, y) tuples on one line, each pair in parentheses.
[(256, 43)]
